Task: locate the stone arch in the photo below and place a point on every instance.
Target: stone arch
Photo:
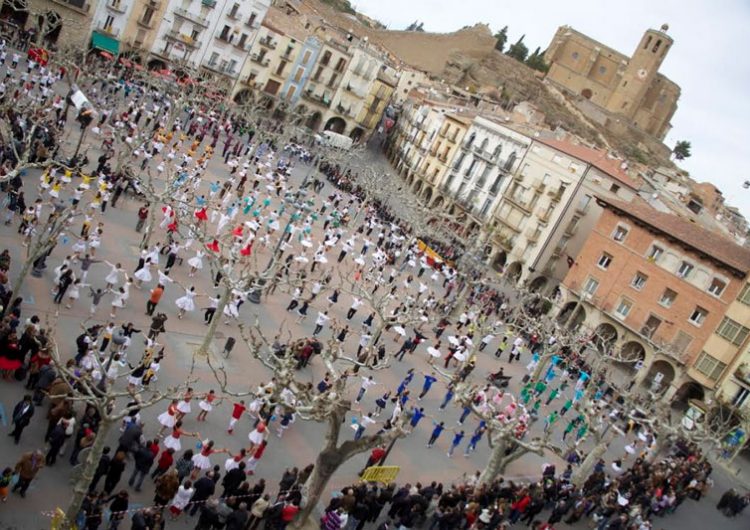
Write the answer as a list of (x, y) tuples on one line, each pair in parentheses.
[(472, 228), (508, 166), (587, 93), (631, 353), (499, 260), (356, 134), (335, 124), (15, 13), (687, 391), (605, 336), (427, 195), (417, 187), (438, 202), (659, 384), (313, 121), (566, 311), (243, 96), (49, 26), (156, 64), (538, 284), (513, 272)]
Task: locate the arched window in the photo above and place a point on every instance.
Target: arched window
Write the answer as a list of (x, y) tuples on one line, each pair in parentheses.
[(509, 163), (657, 46)]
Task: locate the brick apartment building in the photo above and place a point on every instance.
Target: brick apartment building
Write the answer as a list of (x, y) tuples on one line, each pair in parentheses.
[(655, 288)]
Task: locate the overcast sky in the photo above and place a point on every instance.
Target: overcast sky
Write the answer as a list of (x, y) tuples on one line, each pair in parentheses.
[(708, 60)]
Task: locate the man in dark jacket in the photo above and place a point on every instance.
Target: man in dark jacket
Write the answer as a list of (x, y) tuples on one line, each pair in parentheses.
[(238, 519), (204, 488), (233, 479), (144, 459), (101, 469), (22, 413), (131, 439)]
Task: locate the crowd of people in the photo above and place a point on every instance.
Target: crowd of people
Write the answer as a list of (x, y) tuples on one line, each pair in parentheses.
[(356, 266)]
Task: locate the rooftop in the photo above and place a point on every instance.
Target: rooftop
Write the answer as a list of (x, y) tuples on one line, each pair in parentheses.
[(706, 242), (595, 157)]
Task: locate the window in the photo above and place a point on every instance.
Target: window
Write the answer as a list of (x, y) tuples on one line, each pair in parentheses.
[(243, 40), (668, 297), (591, 285), (620, 234), (614, 188), (623, 308), (604, 261), (698, 316), (251, 20), (681, 342), (709, 366), (575, 56), (639, 280), (583, 203), (298, 74), (717, 287), (213, 59), (739, 398), (744, 295), (685, 269), (234, 10), (733, 331), (225, 32), (654, 253), (306, 57)]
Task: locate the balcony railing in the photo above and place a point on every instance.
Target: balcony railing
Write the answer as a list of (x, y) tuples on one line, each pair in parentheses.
[(187, 40), (267, 42), (217, 67), (312, 96), (109, 30), (209, 3), (260, 59), (193, 17), (116, 6), (532, 235)]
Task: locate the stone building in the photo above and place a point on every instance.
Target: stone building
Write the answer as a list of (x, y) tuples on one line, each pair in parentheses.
[(659, 292), (618, 86), (56, 23)]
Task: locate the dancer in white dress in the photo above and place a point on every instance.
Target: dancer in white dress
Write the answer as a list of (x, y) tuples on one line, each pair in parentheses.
[(168, 418), (186, 303), (202, 460), (173, 440), (118, 301), (74, 292), (143, 275), (196, 263), (113, 278)]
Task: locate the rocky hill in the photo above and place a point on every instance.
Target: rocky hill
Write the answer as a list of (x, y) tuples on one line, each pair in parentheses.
[(467, 58)]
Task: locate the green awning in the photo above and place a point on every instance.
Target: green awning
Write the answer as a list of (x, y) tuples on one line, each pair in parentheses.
[(102, 41)]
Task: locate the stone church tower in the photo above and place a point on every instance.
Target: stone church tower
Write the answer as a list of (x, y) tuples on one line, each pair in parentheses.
[(612, 88), (640, 72)]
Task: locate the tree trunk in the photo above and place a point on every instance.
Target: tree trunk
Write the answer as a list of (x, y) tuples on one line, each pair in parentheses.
[(496, 464), (584, 470), (205, 346), (326, 465), (15, 290), (149, 228), (81, 485)]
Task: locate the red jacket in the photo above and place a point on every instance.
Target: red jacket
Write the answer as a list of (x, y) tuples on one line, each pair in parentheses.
[(165, 460), (521, 504)]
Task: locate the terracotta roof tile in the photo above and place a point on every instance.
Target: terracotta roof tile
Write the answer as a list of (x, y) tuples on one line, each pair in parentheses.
[(595, 157), (705, 241)]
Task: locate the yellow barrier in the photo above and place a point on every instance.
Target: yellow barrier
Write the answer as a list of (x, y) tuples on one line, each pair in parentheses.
[(382, 474)]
